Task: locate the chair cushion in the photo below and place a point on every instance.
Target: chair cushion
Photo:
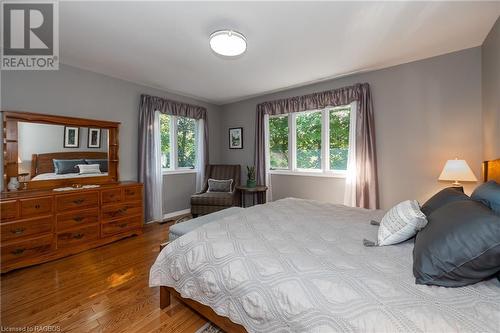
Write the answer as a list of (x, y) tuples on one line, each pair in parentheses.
[(212, 199), (179, 229), (216, 185)]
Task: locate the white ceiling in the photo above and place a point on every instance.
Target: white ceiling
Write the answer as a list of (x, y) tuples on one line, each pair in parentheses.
[(165, 44)]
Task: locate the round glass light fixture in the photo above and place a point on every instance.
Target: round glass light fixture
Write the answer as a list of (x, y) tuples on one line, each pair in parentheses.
[(228, 43)]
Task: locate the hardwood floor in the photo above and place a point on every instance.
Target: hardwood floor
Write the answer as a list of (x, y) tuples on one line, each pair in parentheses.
[(101, 290)]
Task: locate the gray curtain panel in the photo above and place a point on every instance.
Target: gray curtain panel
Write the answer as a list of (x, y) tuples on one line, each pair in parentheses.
[(148, 106), (366, 157)]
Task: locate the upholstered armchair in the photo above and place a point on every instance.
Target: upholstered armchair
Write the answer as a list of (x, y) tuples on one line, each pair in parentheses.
[(208, 202)]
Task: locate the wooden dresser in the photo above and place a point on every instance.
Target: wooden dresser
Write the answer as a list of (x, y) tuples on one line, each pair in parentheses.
[(43, 225)]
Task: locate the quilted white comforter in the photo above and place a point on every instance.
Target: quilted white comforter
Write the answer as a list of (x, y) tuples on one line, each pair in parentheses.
[(300, 266)]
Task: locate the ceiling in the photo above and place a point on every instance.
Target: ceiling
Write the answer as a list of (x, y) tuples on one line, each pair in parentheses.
[(165, 44)]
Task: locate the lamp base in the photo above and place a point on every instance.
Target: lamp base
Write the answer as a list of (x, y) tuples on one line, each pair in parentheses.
[(456, 184)]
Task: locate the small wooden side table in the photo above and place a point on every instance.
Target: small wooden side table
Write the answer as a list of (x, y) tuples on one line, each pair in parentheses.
[(258, 191)]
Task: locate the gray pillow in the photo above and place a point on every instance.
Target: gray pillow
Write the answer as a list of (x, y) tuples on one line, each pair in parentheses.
[(215, 185), (488, 194), (62, 167), (443, 197), (103, 163), (459, 246)]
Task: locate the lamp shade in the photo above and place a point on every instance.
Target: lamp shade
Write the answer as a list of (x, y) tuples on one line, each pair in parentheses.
[(457, 170)]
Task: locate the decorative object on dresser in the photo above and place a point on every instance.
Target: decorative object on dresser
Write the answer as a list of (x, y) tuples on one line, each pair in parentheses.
[(258, 191), (43, 225)]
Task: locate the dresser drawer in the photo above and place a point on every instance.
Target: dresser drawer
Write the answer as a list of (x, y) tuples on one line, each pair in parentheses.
[(27, 249), (31, 227), (36, 206), (132, 193), (8, 210), (77, 236), (119, 226), (77, 219), (111, 196), (76, 201), (118, 211)]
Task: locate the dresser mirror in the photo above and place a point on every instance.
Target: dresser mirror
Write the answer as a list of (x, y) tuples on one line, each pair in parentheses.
[(45, 151)]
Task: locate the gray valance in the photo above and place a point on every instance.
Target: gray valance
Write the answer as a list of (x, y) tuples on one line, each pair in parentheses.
[(174, 108), (366, 161), (149, 147)]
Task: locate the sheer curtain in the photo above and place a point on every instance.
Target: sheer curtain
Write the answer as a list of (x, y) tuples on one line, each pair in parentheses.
[(350, 179), (200, 154)]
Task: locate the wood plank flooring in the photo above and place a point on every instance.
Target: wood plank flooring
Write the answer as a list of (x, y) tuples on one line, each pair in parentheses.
[(100, 290)]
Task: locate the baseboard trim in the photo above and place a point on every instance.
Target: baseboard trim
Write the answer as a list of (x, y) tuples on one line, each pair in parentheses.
[(177, 213)]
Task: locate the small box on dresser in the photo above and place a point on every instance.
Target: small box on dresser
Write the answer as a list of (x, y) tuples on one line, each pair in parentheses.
[(43, 225)]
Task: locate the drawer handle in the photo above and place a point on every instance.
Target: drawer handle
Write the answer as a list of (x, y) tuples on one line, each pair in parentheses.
[(78, 201), (123, 225), (129, 192), (78, 218), (37, 206), (17, 252), (78, 236), (18, 231)]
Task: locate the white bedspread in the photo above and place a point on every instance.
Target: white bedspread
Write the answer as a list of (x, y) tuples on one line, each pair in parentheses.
[(300, 266), (54, 176)]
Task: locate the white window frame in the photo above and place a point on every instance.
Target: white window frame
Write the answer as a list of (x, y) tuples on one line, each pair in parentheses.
[(174, 163), (292, 147)]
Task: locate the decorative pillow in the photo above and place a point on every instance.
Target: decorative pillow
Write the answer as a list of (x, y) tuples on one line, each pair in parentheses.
[(66, 166), (459, 246), (400, 223), (103, 163), (488, 194), (215, 185), (443, 197), (86, 169)]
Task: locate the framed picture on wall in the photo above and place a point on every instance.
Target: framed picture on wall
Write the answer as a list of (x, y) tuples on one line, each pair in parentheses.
[(71, 137), (236, 138), (94, 138)]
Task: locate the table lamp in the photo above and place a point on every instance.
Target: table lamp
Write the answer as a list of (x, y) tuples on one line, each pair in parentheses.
[(457, 170)]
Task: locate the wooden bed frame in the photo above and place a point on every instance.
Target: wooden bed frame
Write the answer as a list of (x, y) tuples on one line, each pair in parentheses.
[(491, 171), (205, 311), (42, 163)]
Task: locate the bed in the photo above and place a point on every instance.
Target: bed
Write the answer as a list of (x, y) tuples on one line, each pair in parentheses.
[(300, 266), (42, 166)]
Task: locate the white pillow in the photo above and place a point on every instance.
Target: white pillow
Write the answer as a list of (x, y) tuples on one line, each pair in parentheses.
[(400, 223), (88, 169)]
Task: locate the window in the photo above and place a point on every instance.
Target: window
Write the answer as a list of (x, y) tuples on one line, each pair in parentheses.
[(311, 141), (178, 142), (278, 142)]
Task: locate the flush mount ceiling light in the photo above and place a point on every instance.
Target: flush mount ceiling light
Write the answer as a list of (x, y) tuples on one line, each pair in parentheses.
[(228, 43)]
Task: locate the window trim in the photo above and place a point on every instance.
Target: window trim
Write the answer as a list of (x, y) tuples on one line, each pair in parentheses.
[(174, 162), (292, 169)]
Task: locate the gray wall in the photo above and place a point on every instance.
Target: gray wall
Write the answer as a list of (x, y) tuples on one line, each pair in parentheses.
[(75, 92), (491, 93), (426, 112)]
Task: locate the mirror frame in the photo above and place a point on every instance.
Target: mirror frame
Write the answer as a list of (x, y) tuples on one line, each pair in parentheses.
[(10, 121)]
